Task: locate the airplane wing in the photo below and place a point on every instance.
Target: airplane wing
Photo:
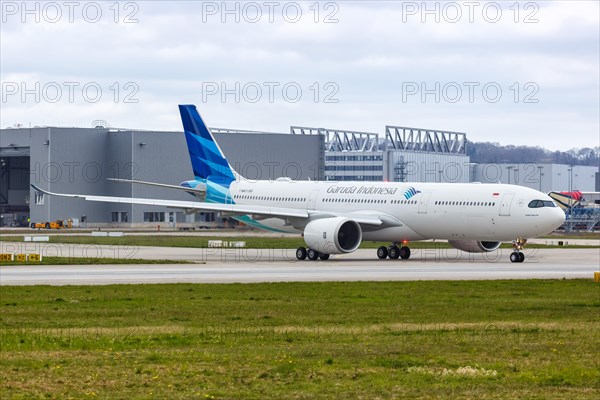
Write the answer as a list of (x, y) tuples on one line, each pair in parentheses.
[(198, 190), (240, 209), (231, 208)]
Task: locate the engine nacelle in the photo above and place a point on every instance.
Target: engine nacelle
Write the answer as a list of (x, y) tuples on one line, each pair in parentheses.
[(333, 235), (474, 246)]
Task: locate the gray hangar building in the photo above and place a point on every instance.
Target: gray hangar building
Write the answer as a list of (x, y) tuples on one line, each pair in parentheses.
[(78, 160)]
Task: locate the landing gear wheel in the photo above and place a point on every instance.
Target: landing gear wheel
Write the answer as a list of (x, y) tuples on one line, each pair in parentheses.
[(394, 252), (404, 253), (301, 253), (382, 252), (47, 225), (32, 225), (515, 256), (312, 255), (324, 257)]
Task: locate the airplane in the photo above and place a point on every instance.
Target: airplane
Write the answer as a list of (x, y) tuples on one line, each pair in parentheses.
[(336, 217)]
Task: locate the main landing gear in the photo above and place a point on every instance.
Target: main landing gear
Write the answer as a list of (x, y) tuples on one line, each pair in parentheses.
[(516, 256), (393, 252), (313, 255)]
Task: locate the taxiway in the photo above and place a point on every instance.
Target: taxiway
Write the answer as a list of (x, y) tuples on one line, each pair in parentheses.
[(280, 265)]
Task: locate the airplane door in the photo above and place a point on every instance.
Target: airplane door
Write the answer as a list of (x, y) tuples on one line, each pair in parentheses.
[(312, 200), (505, 204), (423, 203)]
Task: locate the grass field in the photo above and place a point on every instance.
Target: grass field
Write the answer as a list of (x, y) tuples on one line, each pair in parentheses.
[(252, 242), (574, 235), (494, 340)]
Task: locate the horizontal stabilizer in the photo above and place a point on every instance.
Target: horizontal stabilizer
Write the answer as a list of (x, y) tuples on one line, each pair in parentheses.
[(564, 200), (200, 188)]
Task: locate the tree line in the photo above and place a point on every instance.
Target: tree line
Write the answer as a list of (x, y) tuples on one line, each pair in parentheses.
[(487, 152)]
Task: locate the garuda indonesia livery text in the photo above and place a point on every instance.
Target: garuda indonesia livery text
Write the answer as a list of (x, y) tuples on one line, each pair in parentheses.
[(335, 217)]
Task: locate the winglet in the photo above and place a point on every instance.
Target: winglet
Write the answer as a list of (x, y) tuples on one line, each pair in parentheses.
[(39, 189), (74, 196)]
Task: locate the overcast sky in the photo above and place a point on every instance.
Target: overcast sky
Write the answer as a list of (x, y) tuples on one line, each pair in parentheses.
[(524, 75)]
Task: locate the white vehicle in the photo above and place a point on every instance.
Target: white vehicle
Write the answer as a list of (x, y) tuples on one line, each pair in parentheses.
[(335, 217)]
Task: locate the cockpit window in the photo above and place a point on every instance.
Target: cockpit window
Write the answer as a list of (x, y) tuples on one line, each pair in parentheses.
[(541, 203)]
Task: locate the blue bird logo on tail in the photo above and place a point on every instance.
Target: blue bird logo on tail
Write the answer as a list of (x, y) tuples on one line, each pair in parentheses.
[(208, 161), (209, 164), (410, 192)]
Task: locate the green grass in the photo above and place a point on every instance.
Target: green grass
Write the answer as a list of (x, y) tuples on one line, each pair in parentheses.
[(495, 340), (92, 261), (170, 241), (574, 235), (251, 242)]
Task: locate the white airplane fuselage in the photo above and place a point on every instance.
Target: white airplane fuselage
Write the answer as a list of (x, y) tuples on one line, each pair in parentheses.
[(451, 211)]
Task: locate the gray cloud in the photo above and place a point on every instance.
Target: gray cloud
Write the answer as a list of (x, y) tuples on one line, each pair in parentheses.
[(371, 55)]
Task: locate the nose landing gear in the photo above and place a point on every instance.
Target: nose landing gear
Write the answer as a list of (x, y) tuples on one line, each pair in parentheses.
[(517, 256)]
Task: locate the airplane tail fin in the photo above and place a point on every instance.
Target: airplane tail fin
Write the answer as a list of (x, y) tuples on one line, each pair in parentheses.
[(208, 161)]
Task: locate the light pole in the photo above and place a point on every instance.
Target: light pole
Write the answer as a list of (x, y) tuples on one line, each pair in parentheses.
[(570, 169), (540, 168)]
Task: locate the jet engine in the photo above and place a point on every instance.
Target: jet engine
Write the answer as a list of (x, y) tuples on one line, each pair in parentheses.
[(333, 235), (474, 246)]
